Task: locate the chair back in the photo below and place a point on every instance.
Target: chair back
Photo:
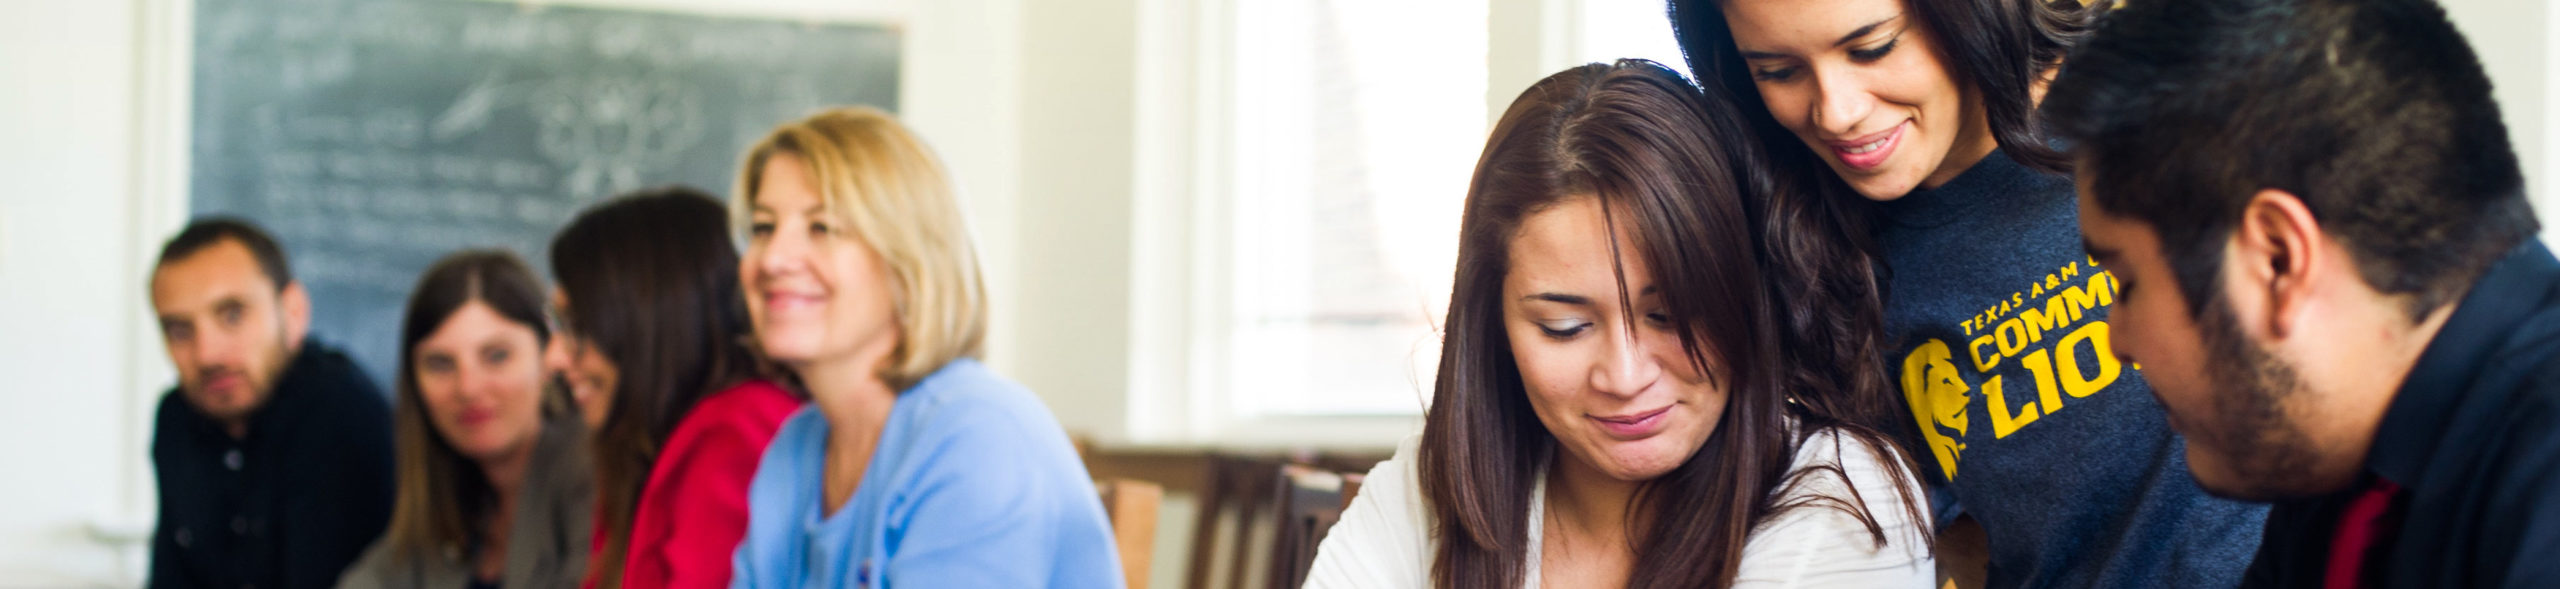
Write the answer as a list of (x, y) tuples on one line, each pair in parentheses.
[(1131, 506)]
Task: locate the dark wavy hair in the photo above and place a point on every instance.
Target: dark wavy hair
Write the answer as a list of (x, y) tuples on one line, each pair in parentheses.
[(652, 282), (1674, 166), (1821, 229)]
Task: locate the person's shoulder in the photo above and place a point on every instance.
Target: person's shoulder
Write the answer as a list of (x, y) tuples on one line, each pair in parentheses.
[(172, 411), (1385, 537), (2531, 414), (1400, 472), (965, 396), (332, 367), (2531, 417), (755, 403), (754, 395), (1849, 515), (966, 382), (376, 569), (1835, 463), (1839, 446), (739, 421), (337, 383)]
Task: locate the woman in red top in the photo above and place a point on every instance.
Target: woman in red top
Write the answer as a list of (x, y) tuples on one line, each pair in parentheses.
[(655, 352)]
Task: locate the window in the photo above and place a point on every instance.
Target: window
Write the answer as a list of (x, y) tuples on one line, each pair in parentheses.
[(1303, 168), (1357, 123)]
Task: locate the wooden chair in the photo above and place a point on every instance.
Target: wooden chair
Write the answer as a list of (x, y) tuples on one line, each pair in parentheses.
[(1131, 506), (1256, 488), (1310, 501), (1237, 483)]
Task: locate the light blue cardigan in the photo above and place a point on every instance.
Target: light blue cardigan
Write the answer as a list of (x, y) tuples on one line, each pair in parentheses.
[(973, 485)]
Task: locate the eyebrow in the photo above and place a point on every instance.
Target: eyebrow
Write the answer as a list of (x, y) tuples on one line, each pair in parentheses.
[(1853, 35), (758, 207), (2101, 253), (1572, 299)]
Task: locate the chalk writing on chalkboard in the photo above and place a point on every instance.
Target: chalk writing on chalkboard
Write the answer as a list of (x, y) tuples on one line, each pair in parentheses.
[(374, 136)]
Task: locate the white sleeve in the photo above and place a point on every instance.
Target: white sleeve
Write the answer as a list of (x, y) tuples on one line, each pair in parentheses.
[(1821, 546), (1384, 538)]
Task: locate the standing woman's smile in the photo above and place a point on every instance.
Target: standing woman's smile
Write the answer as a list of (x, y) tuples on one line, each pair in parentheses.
[(1862, 87)]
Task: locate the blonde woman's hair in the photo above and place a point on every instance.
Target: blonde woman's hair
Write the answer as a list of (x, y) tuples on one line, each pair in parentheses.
[(876, 178)]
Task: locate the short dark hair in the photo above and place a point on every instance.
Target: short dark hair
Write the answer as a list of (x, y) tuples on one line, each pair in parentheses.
[(204, 233), (2374, 112)]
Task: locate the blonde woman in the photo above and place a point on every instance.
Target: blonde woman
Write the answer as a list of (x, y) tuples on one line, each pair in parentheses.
[(915, 464)]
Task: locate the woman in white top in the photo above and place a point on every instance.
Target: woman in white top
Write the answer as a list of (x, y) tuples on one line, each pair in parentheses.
[(1608, 410)]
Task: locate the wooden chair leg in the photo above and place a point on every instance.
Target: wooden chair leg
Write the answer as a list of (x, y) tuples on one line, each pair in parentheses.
[(1250, 500), (1204, 532)]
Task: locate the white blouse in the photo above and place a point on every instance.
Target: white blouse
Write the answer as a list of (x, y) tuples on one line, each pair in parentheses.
[(1386, 538)]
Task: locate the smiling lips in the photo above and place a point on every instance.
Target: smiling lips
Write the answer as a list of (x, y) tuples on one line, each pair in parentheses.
[(790, 301), (1635, 425), (1866, 153), (473, 418)]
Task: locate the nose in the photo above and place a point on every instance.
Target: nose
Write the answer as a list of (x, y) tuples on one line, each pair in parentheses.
[(783, 252), (555, 355), (1627, 366), (2118, 349), (217, 349), (1840, 102), (2123, 343), (475, 379)]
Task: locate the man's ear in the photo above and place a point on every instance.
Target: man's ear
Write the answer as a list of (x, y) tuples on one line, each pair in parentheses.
[(295, 304), (2275, 251)]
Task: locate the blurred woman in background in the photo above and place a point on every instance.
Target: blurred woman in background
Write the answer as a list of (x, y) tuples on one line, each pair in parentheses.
[(915, 465), (495, 489), (654, 346)]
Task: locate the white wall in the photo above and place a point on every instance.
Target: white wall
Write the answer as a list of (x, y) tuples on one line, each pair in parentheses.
[(2514, 39), (67, 301), (1079, 88)]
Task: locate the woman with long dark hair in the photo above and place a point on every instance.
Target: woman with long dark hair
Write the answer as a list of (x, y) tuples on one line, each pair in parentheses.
[(494, 486), (1942, 275), (654, 346), (1612, 408)]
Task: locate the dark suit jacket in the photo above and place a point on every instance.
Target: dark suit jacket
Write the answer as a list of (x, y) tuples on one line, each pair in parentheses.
[(288, 506), (2473, 440)]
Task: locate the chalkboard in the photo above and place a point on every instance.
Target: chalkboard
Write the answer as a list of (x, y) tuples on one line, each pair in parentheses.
[(375, 136)]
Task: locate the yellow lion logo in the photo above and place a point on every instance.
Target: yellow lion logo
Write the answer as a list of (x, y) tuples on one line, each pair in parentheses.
[(1938, 396)]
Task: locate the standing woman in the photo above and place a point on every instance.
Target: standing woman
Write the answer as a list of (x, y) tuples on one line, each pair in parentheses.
[(654, 347), (1913, 121), (915, 465), (494, 487)]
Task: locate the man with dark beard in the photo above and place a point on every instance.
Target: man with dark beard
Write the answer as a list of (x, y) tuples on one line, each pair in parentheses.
[(2327, 268), (273, 452)]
